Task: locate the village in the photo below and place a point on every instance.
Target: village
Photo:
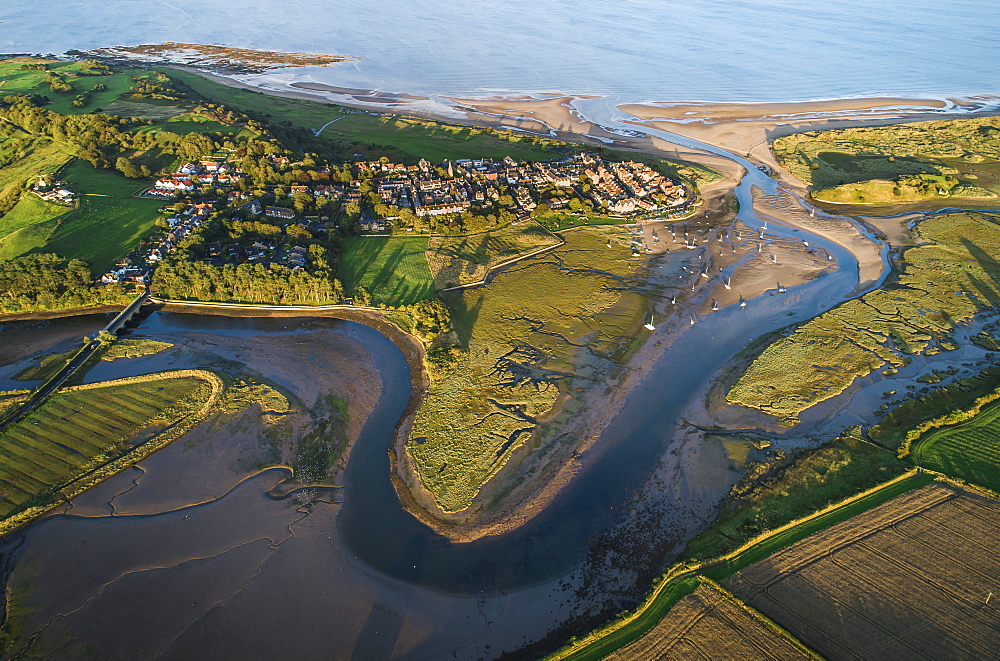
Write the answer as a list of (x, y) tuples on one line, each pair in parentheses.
[(382, 197)]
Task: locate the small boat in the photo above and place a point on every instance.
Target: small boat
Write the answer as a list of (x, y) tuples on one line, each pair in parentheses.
[(743, 302), (715, 306), (805, 243), (726, 284), (704, 274), (829, 258), (650, 325), (812, 213), (774, 260), (692, 320), (673, 301), (781, 290)]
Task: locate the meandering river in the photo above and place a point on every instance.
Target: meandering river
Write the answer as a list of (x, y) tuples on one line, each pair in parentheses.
[(184, 570)]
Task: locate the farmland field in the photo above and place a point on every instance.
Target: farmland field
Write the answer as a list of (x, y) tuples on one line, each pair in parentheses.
[(906, 580), (969, 451), (708, 625), (79, 430), (943, 283)]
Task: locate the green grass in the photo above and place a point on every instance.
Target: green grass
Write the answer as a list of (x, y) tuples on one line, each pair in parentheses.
[(966, 149), (914, 315), (968, 451), (564, 220), (15, 81), (393, 270), (47, 366), (29, 210), (409, 138), (810, 482), (134, 348), (74, 432), (27, 239), (467, 259), (532, 337), (108, 223), (196, 123)]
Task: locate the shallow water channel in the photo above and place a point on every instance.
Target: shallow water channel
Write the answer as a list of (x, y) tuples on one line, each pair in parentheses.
[(346, 572)]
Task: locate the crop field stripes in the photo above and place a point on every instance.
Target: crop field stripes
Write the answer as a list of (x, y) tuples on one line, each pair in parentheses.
[(908, 579), (708, 624), (84, 427)]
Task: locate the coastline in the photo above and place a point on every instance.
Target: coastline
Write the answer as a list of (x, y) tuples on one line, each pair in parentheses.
[(555, 116)]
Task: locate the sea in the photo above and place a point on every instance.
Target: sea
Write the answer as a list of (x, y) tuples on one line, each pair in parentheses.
[(629, 51)]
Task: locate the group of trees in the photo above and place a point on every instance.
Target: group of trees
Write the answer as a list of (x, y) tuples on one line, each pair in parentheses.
[(49, 282), (247, 283)]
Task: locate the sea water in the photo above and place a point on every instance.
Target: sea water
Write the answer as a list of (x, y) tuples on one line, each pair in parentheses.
[(631, 50)]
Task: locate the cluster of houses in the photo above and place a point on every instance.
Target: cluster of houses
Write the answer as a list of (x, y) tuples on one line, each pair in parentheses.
[(192, 176), (138, 268), (617, 187), (629, 187), (53, 191)]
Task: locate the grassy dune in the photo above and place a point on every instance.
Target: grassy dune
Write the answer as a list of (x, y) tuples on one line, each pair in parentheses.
[(540, 332), (407, 138), (872, 164), (76, 431), (943, 283)]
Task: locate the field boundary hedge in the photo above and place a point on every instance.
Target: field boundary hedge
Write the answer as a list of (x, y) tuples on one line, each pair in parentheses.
[(682, 576)]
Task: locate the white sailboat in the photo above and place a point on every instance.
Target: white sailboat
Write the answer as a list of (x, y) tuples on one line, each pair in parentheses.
[(650, 325), (692, 320), (715, 306), (743, 302), (726, 284)]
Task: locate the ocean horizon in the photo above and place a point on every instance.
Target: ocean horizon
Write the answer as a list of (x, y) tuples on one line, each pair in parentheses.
[(634, 51)]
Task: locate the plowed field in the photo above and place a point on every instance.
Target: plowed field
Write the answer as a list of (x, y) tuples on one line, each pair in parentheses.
[(906, 580), (708, 625)]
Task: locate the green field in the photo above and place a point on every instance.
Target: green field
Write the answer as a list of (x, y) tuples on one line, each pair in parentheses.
[(13, 80), (546, 328), (29, 225), (393, 270), (872, 165), (74, 432), (108, 223), (406, 138), (969, 451), (943, 283)]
